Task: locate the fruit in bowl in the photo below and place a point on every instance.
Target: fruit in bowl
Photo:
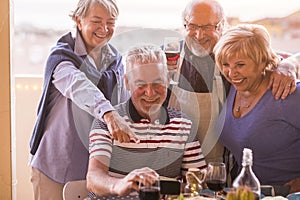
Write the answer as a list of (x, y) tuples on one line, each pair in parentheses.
[(241, 193)]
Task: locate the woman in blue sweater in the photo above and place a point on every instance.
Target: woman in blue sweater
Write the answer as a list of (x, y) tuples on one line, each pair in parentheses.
[(83, 79), (252, 117)]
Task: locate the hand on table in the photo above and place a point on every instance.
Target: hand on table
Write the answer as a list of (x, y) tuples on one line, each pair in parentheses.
[(130, 182)]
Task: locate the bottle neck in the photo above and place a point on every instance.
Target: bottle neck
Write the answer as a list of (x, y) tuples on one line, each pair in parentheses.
[(247, 162), (247, 168)]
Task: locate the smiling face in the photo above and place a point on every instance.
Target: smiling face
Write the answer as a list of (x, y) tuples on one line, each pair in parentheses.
[(243, 54), (148, 86), (97, 27), (243, 73), (201, 41)]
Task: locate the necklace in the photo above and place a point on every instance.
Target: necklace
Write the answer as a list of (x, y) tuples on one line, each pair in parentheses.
[(248, 104)]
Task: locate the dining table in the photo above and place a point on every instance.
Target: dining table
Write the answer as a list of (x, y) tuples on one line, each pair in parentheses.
[(204, 194)]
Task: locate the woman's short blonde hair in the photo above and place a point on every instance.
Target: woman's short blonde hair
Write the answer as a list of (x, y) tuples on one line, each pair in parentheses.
[(246, 40), (83, 7)]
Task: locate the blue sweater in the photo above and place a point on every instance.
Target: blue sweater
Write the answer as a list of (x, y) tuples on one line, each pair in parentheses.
[(64, 51), (272, 130)]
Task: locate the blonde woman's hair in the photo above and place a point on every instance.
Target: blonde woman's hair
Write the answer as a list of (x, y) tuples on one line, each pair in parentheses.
[(246, 40), (83, 7)]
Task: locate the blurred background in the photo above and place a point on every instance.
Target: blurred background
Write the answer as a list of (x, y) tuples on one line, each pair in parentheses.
[(37, 25)]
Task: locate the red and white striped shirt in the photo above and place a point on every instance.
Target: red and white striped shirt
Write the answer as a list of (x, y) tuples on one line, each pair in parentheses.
[(167, 146)]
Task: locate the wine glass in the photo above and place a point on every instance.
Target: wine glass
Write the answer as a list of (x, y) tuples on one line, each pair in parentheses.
[(216, 176), (149, 190), (172, 50)]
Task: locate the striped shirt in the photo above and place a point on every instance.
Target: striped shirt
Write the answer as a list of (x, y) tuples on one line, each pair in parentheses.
[(167, 146)]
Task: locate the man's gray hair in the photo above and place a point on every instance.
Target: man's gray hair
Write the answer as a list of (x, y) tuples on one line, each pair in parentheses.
[(217, 7), (146, 54)]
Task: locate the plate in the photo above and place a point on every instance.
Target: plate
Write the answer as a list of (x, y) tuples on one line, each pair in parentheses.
[(199, 198), (274, 198)]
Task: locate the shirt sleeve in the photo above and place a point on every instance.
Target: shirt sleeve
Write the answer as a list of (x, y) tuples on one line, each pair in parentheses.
[(193, 157), (100, 141), (73, 84)]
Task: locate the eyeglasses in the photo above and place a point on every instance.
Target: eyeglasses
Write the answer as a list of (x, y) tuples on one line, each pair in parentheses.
[(207, 27)]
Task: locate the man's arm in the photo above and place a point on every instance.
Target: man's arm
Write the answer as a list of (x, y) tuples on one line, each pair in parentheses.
[(101, 183), (98, 179), (283, 79), (295, 60), (195, 161), (100, 149)]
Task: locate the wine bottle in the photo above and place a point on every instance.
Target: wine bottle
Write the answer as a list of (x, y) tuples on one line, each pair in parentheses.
[(247, 178)]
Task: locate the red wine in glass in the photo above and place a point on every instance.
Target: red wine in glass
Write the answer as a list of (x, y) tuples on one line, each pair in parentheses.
[(216, 176), (215, 185), (172, 49), (150, 193), (172, 55)]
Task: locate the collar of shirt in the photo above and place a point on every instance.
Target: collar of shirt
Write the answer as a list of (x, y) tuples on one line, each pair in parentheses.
[(136, 117), (107, 53)]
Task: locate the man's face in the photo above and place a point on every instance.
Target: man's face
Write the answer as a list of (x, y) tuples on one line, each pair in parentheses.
[(148, 85), (203, 30), (97, 27)]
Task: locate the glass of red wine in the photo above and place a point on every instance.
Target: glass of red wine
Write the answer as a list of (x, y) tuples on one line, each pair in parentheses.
[(149, 190), (216, 176), (172, 50)]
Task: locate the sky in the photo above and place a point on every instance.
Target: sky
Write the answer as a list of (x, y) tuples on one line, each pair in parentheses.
[(146, 13)]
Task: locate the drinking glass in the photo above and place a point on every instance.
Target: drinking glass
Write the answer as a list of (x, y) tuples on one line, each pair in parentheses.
[(194, 178), (172, 50), (216, 176), (149, 191)]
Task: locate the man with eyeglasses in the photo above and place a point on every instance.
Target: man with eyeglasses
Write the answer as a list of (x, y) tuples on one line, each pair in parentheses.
[(201, 90)]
